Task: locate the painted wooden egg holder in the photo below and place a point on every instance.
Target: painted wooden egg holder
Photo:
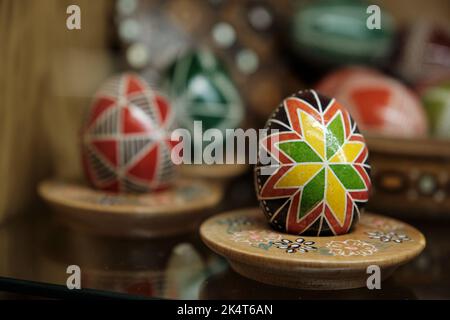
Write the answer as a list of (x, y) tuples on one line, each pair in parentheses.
[(177, 210), (410, 176), (258, 252)]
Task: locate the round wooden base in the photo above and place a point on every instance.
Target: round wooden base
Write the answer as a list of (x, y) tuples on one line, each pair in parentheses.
[(177, 210), (256, 251)]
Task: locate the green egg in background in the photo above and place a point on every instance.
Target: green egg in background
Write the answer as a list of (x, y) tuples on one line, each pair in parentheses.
[(336, 32), (200, 89)]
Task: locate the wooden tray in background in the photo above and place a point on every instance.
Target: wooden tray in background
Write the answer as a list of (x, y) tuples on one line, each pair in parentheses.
[(411, 178)]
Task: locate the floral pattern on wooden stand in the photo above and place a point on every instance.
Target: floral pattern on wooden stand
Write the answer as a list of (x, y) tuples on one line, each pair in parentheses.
[(255, 237), (374, 233), (351, 247), (299, 245), (388, 236)]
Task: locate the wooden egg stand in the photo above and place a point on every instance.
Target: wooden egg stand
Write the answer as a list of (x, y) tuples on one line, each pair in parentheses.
[(177, 210), (410, 176), (258, 252)]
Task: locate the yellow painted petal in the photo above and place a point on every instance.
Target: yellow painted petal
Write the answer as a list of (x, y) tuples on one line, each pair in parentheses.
[(298, 175), (313, 133), (348, 152), (335, 196)]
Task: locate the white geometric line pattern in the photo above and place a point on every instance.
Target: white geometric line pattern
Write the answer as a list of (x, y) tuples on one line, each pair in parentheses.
[(126, 142)]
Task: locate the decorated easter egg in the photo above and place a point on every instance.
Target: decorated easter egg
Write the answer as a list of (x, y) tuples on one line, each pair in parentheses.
[(379, 104), (317, 180), (125, 138), (201, 92), (337, 32), (436, 100)]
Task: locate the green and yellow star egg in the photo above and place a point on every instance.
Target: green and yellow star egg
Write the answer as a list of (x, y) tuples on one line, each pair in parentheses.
[(338, 176), (321, 169)]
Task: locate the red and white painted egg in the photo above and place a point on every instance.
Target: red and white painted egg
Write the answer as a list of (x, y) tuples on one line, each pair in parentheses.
[(126, 137), (379, 104)]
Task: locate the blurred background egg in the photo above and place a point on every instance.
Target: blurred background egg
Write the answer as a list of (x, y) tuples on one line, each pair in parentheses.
[(201, 90), (330, 32), (381, 105), (125, 137)]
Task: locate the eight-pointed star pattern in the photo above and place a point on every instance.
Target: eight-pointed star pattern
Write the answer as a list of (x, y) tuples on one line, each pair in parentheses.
[(320, 178), (126, 144)]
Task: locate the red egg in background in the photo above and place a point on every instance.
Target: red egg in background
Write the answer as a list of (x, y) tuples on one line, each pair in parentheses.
[(379, 104), (126, 137)]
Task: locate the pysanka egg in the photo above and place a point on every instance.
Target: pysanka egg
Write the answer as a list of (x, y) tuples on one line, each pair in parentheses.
[(318, 178), (379, 104), (125, 138), (201, 90)]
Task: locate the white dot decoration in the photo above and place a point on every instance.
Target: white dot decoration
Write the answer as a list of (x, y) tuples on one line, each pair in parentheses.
[(129, 30), (260, 18), (224, 35), (427, 184), (247, 61), (126, 7), (137, 55)]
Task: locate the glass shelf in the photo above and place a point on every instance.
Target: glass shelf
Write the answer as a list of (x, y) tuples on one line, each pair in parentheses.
[(35, 252)]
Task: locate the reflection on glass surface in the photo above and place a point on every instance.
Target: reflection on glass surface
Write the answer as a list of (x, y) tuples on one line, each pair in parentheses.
[(234, 286), (163, 268)]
